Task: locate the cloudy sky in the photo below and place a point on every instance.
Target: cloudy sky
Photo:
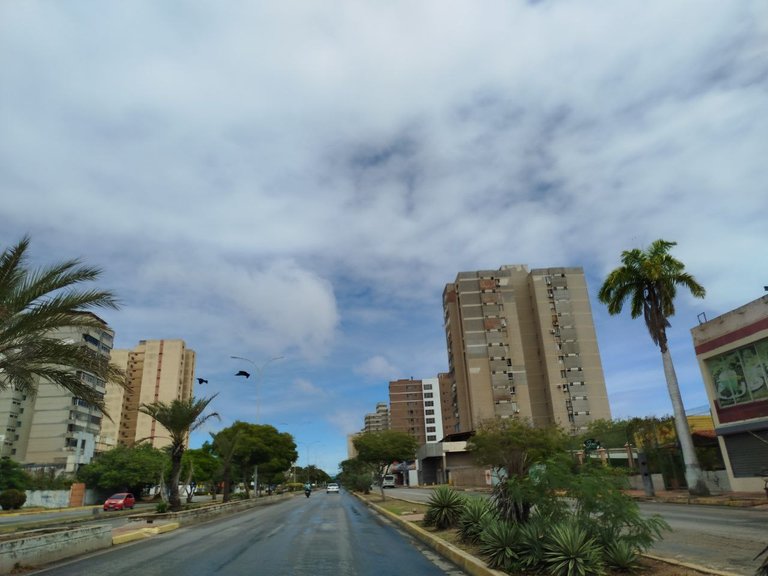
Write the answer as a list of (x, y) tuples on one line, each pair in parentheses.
[(301, 179)]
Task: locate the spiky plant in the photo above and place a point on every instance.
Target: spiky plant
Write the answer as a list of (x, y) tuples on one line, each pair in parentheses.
[(763, 568), (531, 542), (444, 508), (569, 550), (499, 545), (476, 513), (622, 556)]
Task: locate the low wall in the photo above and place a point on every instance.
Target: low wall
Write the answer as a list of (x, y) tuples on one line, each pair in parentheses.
[(39, 547), (57, 498)]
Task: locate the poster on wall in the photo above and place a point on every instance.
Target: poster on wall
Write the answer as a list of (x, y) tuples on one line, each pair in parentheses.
[(740, 376)]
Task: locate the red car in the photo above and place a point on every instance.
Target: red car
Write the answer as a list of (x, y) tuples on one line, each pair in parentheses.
[(120, 501)]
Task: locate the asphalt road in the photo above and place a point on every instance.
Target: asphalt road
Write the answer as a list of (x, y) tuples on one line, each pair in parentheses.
[(326, 534), (719, 537)]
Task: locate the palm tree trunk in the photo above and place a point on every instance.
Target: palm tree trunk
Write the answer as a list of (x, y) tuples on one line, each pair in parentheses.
[(693, 475), (174, 499)]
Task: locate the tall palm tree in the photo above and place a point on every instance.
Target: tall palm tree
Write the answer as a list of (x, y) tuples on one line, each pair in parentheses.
[(649, 280), (34, 305), (179, 418)]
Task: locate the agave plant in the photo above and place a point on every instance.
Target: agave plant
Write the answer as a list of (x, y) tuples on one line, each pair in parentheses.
[(476, 514), (622, 556), (444, 508), (569, 550), (531, 542), (499, 545)]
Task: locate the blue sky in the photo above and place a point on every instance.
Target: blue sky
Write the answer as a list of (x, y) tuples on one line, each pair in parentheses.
[(302, 179)]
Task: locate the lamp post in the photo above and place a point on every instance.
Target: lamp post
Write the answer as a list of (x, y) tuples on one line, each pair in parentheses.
[(259, 377)]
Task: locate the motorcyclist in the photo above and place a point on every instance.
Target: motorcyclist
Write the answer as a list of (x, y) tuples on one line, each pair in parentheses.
[(307, 489)]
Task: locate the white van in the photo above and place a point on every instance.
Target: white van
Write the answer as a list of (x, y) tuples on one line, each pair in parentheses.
[(388, 481)]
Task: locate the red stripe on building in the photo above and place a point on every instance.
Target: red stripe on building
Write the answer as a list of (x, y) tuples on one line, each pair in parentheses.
[(738, 334)]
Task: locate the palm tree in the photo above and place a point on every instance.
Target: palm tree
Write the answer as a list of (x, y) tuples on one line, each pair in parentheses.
[(649, 280), (179, 418), (35, 304)]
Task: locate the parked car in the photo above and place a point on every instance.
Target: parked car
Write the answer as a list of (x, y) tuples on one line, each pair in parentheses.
[(120, 501), (388, 481), (332, 487)]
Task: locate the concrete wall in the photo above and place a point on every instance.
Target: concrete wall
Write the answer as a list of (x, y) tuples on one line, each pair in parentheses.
[(42, 547), (57, 498)]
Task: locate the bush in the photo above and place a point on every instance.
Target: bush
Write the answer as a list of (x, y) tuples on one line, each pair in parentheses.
[(477, 513), (622, 556), (161, 507), (444, 508), (499, 545), (12, 499), (570, 551)]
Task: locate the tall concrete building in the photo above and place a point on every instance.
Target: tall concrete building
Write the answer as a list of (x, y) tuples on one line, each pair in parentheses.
[(415, 409), (379, 420), (158, 371), (522, 344), (53, 428)]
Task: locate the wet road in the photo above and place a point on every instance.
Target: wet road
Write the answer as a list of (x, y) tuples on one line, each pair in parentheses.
[(326, 534)]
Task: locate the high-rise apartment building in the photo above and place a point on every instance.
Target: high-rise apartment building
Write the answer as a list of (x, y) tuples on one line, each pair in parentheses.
[(415, 409), (157, 371), (522, 344), (53, 428), (379, 420)]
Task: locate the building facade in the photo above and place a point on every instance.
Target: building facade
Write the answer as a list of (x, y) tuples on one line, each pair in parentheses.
[(377, 421), (53, 428), (157, 371), (732, 351), (523, 344), (415, 409)]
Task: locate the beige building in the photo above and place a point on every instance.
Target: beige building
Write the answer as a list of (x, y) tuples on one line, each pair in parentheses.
[(414, 408), (732, 351), (53, 428), (522, 344), (158, 371), (379, 420)]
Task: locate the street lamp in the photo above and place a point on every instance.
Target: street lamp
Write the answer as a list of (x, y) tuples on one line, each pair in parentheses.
[(259, 377), (259, 374)]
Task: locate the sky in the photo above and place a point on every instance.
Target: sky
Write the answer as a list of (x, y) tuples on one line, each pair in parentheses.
[(300, 180)]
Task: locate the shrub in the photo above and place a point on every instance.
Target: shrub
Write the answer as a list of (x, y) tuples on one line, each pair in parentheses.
[(476, 514), (444, 508), (499, 545), (570, 551), (530, 545), (161, 507), (12, 499), (622, 556)]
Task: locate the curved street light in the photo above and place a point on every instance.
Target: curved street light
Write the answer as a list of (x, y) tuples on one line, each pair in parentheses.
[(259, 375)]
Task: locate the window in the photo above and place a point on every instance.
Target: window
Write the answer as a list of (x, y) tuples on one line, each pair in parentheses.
[(431, 429), (428, 395), (429, 412), (430, 420), (431, 438), (429, 403)]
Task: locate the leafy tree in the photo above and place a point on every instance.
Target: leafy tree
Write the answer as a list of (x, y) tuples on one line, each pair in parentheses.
[(511, 447), (179, 418), (123, 468), (34, 304), (49, 478), (649, 280), (380, 449), (224, 446), (200, 466), (13, 476), (356, 475)]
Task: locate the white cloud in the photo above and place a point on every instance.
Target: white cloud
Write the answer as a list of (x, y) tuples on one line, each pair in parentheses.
[(377, 367)]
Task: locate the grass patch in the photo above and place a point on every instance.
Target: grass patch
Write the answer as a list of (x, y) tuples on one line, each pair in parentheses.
[(398, 507)]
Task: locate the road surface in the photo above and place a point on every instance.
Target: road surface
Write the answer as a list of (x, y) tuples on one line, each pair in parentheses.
[(326, 534)]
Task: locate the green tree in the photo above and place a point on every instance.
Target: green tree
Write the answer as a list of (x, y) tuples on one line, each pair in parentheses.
[(124, 468), (649, 280), (13, 476), (199, 466), (258, 445), (224, 446), (356, 475), (512, 448), (179, 418), (380, 449), (34, 304)]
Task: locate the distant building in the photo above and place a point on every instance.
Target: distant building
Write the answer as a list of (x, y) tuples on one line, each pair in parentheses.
[(522, 344), (732, 351), (158, 371), (54, 429), (379, 420), (415, 409)]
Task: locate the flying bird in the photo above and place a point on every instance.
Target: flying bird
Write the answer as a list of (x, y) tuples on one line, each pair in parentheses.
[(202, 381), (243, 373)]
